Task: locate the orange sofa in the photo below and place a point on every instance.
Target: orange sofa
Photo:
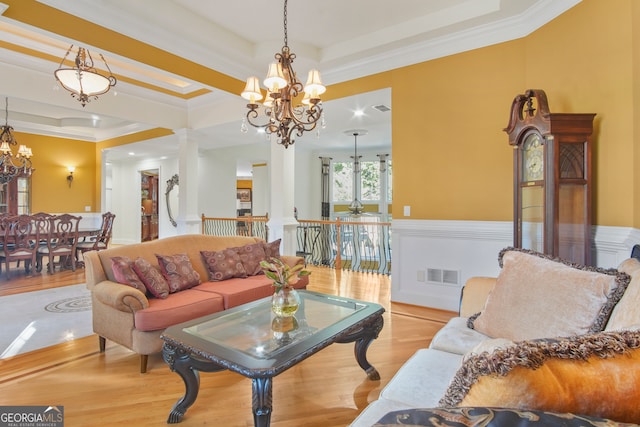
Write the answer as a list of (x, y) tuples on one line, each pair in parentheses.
[(135, 318)]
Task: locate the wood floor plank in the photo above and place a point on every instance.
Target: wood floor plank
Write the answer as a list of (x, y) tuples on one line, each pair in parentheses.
[(328, 389)]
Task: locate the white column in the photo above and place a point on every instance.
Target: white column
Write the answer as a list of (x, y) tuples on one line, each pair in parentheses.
[(282, 223), (189, 222), (384, 186)]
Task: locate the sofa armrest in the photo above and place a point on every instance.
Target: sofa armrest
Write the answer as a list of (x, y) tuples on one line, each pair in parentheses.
[(474, 295), (121, 297)]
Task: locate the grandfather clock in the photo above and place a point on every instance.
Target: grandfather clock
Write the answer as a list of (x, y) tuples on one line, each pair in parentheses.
[(552, 178)]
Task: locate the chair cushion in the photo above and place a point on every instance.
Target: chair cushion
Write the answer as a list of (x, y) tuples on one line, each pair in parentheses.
[(177, 308), (152, 278), (178, 271), (251, 255), (123, 271), (224, 264), (536, 296), (593, 374)]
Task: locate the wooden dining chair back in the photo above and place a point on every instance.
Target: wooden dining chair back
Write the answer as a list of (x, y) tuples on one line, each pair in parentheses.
[(62, 238), (20, 236), (101, 240)]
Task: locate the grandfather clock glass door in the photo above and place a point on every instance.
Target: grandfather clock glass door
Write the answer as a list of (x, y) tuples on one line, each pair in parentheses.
[(552, 178)]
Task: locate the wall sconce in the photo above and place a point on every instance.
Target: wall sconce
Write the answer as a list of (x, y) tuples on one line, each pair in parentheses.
[(70, 176)]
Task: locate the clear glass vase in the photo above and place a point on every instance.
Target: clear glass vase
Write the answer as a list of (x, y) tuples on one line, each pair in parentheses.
[(285, 302)]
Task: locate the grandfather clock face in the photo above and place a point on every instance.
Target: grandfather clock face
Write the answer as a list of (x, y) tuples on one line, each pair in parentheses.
[(532, 158)]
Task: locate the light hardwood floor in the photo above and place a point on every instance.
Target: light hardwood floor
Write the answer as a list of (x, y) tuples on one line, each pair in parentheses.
[(328, 389)]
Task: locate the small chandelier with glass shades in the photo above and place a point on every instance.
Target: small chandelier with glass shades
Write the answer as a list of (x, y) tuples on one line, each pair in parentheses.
[(282, 117), (11, 166), (83, 80)]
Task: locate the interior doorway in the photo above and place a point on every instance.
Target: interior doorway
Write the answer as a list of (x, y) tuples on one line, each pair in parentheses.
[(149, 205)]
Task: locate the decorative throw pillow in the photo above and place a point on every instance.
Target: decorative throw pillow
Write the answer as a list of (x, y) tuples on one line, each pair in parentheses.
[(178, 271), (153, 280), (123, 272), (536, 296), (224, 264), (491, 417), (627, 311), (251, 255), (272, 249), (593, 374)]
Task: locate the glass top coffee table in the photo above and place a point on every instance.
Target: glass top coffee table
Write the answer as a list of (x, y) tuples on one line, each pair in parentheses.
[(251, 341)]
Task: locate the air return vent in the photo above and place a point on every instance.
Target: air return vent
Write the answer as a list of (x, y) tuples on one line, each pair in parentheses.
[(382, 108), (443, 277)]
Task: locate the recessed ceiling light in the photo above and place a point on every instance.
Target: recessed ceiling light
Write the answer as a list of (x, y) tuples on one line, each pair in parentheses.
[(358, 113), (131, 153)]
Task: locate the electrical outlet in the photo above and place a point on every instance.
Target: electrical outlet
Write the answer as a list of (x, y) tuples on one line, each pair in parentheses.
[(87, 208), (420, 275), (407, 211)]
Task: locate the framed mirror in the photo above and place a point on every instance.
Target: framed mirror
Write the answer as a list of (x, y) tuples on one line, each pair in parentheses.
[(171, 195)]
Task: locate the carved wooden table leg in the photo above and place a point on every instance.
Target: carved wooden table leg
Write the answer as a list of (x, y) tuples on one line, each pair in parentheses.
[(363, 338), (181, 362), (262, 401)]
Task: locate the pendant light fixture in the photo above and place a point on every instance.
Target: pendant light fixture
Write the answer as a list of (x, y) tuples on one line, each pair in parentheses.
[(283, 116)]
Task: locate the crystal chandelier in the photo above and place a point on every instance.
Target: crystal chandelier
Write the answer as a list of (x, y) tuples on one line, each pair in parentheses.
[(283, 117), (10, 166), (83, 80)]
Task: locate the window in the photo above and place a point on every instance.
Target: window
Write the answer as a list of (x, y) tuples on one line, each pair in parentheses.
[(342, 186)]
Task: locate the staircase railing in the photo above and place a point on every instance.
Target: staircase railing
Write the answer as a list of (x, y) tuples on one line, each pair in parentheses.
[(359, 244), (254, 226)]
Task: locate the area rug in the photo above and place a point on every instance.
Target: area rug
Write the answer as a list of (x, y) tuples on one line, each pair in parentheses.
[(33, 320)]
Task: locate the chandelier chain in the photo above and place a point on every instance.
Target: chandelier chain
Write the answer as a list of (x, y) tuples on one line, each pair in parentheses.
[(286, 38)]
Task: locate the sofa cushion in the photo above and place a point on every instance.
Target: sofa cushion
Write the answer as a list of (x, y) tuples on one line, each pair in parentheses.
[(251, 255), (123, 271), (456, 337), (239, 291), (152, 278), (491, 417), (178, 271), (423, 379), (177, 308), (627, 312), (536, 296), (224, 264), (272, 249), (593, 374)]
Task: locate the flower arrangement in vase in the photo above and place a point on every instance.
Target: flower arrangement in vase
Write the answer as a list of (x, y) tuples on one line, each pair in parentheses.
[(285, 300)]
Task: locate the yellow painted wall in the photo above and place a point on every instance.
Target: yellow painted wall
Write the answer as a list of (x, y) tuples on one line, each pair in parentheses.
[(451, 156), (51, 158)]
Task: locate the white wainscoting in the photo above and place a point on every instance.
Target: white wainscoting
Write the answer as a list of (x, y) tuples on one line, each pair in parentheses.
[(464, 249)]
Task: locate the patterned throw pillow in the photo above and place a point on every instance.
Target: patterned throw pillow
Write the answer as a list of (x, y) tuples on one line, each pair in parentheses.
[(124, 274), (224, 264), (272, 249), (153, 280), (251, 255), (178, 271)]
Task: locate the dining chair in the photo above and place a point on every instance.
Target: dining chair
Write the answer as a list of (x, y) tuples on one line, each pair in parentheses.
[(62, 238), (101, 240), (19, 234)]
